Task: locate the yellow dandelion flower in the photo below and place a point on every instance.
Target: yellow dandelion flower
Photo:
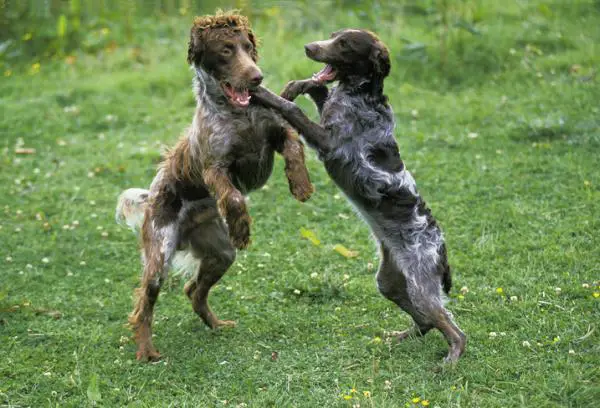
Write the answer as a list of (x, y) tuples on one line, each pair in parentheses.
[(415, 400), (367, 394), (353, 391), (347, 397), (105, 31), (425, 403), (376, 340), (27, 36), (35, 68), (499, 291), (596, 294), (461, 297), (586, 183)]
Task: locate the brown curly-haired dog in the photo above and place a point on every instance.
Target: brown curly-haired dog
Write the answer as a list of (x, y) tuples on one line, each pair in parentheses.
[(194, 212)]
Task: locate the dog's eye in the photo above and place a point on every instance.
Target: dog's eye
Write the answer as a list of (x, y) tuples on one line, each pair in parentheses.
[(227, 51), (343, 42), (248, 47)]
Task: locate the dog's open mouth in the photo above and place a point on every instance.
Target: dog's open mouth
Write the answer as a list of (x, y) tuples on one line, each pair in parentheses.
[(237, 97), (327, 74)]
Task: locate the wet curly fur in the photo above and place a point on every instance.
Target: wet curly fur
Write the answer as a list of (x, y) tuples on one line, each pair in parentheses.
[(195, 213), (355, 140)]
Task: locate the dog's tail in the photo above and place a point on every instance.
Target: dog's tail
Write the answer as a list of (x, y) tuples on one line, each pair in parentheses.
[(131, 207), (445, 269), (447, 280)]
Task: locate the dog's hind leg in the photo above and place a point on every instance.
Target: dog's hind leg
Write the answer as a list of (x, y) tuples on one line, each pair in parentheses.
[(210, 242), (159, 247), (442, 318), (420, 296), (392, 284), (456, 339)]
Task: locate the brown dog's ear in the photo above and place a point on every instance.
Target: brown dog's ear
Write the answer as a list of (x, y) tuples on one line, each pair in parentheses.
[(380, 58), (254, 41), (195, 46)]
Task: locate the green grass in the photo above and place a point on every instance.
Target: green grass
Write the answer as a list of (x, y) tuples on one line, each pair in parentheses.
[(500, 131)]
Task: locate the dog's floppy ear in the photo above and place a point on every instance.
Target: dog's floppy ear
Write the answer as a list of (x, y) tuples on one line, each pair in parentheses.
[(254, 41), (195, 46), (380, 59)]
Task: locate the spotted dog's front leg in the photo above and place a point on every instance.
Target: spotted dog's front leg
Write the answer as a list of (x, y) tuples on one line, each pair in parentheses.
[(314, 134), (317, 91), (231, 204)]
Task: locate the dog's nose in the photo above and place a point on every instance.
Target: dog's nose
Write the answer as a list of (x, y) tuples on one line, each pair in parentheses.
[(311, 49), (256, 78)]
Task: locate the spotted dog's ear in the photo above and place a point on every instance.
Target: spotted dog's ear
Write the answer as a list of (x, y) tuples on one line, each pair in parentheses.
[(380, 59), (254, 40), (195, 46)]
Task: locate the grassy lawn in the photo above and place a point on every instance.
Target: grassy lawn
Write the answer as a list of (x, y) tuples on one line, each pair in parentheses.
[(498, 118)]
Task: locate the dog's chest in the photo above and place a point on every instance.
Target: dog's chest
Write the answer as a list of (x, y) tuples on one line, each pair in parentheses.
[(252, 157), (348, 116), (339, 114)]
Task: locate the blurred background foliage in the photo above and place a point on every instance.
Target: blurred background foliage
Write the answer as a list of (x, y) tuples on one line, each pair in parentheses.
[(449, 37)]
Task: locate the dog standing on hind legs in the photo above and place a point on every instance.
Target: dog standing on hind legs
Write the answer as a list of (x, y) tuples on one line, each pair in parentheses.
[(355, 141), (194, 215)]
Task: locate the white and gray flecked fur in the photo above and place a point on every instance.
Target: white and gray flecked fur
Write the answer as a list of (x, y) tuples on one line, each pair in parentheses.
[(355, 140)]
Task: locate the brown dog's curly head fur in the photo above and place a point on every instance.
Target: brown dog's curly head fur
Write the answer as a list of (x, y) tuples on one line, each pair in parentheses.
[(224, 47), (229, 21)]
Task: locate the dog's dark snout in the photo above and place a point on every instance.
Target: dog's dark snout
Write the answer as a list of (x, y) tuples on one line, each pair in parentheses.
[(256, 78), (311, 49)]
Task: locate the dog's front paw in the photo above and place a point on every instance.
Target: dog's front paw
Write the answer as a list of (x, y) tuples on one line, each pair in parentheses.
[(293, 89), (238, 221), (302, 191), (239, 231)]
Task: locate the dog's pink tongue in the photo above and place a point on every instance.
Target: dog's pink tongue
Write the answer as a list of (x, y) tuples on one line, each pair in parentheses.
[(237, 98), (241, 98), (326, 74)]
